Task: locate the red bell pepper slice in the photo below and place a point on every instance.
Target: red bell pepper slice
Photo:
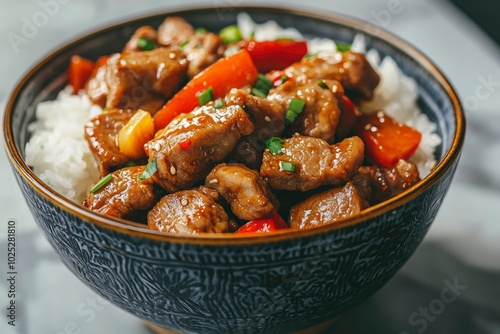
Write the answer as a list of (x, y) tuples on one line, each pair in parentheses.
[(275, 55), (236, 70), (386, 141), (79, 72), (271, 223)]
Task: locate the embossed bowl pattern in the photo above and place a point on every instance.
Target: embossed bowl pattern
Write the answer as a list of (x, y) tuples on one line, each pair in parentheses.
[(238, 284)]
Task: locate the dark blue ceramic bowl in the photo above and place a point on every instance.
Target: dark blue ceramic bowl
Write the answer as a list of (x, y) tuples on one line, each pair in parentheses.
[(275, 283)]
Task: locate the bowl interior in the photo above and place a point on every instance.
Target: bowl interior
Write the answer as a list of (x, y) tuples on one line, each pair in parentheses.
[(436, 97)]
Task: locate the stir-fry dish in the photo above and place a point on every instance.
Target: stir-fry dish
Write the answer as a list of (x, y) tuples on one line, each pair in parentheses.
[(208, 132)]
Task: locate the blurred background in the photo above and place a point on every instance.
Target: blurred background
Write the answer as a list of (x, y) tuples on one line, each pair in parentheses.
[(461, 252)]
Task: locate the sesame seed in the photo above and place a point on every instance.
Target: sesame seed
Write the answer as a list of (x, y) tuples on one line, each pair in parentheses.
[(184, 202), (267, 119), (184, 219), (173, 170), (157, 146), (213, 181), (380, 114), (368, 126), (335, 88), (175, 122)]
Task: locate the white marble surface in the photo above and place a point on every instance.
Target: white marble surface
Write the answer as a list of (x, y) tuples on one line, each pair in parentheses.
[(463, 244)]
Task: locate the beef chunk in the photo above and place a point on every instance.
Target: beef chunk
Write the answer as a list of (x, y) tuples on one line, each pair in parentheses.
[(328, 207), (96, 87), (188, 212), (249, 196), (146, 32), (321, 113), (316, 163), (268, 119), (211, 135), (144, 79), (202, 50), (124, 195), (101, 133), (350, 68), (388, 182), (174, 31)]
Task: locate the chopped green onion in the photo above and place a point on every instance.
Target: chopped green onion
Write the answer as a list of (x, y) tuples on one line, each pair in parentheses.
[(322, 84), (149, 171), (102, 182), (287, 166), (183, 44), (145, 44), (290, 116), (283, 78), (206, 96), (275, 145), (233, 49), (262, 84), (343, 47), (309, 55), (294, 109), (231, 34), (258, 93), (200, 30), (130, 163), (296, 105), (219, 103)]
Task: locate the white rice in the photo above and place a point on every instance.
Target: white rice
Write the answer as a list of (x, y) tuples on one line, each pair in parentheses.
[(57, 150), (59, 154)]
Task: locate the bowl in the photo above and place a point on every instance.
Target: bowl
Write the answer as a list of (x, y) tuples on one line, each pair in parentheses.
[(276, 283)]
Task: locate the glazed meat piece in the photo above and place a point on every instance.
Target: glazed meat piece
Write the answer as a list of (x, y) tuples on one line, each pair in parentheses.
[(202, 50), (188, 212), (243, 188), (321, 112), (144, 79), (388, 182), (316, 163), (124, 195), (328, 207), (101, 134), (96, 87), (192, 144), (268, 119), (146, 32), (174, 31), (350, 68)]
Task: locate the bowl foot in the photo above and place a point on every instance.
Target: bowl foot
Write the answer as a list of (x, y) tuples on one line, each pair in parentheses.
[(316, 329), (159, 330)]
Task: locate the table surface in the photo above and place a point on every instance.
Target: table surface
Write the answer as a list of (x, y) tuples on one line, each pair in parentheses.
[(461, 249)]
